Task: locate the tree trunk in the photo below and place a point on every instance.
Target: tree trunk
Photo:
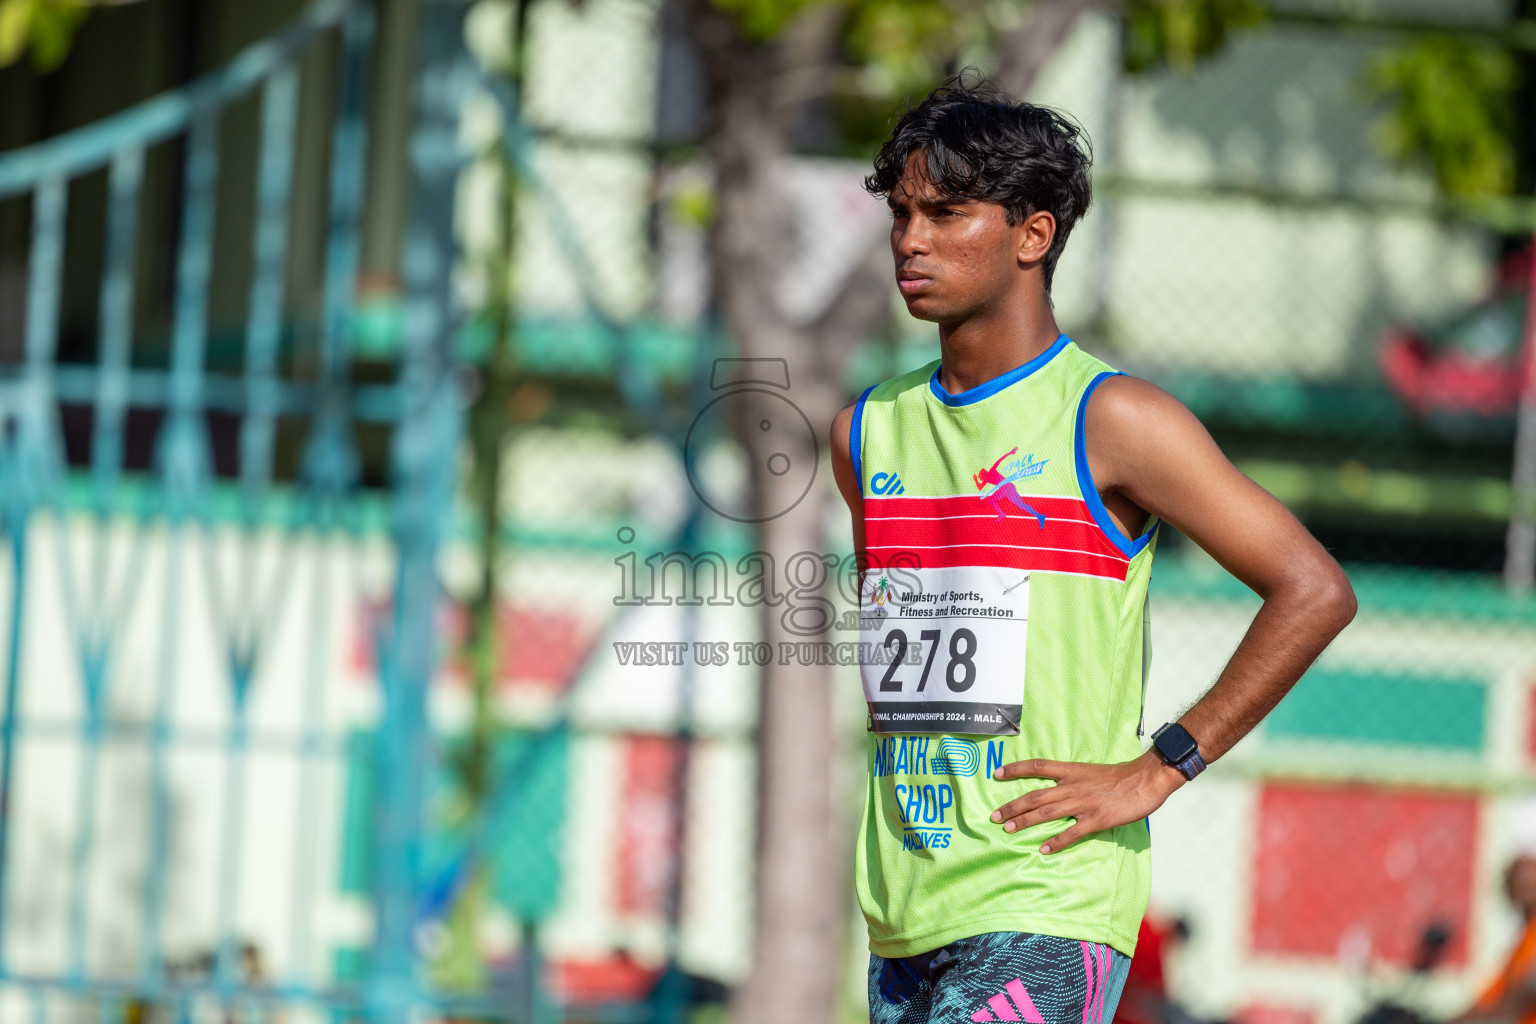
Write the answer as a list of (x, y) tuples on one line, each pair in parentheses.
[(801, 880), (1023, 51)]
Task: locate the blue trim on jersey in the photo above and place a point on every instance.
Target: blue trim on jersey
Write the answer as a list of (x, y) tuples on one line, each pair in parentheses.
[(855, 436), (999, 382), (1129, 548)]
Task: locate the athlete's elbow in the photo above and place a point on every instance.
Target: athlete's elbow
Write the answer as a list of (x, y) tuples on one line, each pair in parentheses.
[(1316, 592), (1331, 597)]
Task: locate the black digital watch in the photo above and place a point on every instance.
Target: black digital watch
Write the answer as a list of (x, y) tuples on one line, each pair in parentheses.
[(1176, 746)]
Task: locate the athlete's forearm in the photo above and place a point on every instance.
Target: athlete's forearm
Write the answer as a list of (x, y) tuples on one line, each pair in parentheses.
[(1300, 616), (1292, 628)]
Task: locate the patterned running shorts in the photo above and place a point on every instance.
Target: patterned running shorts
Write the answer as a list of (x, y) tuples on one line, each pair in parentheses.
[(1000, 976)]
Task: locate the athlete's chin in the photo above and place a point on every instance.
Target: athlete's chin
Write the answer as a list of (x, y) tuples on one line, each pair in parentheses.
[(928, 307)]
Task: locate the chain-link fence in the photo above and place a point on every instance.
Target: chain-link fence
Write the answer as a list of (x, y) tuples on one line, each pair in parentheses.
[(1351, 337)]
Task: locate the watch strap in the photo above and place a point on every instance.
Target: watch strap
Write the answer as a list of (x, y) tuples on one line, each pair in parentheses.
[(1192, 765)]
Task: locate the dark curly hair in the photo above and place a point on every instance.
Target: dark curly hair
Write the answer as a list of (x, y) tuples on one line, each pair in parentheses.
[(978, 143)]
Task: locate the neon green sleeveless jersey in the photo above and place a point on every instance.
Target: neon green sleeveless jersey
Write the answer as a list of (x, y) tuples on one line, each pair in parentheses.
[(1003, 617)]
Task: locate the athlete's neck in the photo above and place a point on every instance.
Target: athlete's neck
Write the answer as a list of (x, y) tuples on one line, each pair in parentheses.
[(989, 344)]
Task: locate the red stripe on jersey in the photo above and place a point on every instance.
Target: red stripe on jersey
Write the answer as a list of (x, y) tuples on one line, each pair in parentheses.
[(955, 531), (1027, 559)]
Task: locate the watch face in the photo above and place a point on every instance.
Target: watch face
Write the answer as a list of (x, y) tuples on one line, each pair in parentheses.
[(1174, 742)]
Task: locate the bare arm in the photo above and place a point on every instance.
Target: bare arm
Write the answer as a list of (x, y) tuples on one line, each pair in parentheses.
[(842, 472), (1148, 453), (1154, 452)]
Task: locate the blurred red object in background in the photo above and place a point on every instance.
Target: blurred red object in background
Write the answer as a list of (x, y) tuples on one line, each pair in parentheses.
[(1469, 364)]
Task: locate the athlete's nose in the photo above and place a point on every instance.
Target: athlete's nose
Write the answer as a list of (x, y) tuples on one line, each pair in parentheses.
[(912, 239)]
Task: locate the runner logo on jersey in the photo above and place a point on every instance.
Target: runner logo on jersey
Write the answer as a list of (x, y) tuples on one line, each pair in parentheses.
[(956, 757), (996, 483)]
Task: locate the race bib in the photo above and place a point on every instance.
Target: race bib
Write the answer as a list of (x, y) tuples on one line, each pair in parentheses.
[(942, 650)]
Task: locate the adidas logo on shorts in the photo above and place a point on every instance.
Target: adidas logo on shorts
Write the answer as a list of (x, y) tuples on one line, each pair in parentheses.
[(1021, 1008)]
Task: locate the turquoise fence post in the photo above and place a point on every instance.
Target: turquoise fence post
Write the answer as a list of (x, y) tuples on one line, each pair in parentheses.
[(424, 455)]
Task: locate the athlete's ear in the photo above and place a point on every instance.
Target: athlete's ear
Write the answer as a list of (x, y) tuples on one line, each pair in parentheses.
[(1035, 234)]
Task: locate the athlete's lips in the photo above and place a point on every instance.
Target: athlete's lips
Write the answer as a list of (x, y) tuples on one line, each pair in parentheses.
[(910, 281)]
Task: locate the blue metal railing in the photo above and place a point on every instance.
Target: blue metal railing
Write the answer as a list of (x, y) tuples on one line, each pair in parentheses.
[(170, 114), (177, 529), (102, 585)]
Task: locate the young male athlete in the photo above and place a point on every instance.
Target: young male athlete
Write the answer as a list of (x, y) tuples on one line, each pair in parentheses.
[(1004, 852)]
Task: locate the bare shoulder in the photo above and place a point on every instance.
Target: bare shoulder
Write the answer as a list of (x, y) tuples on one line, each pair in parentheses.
[(1127, 405), (1129, 415), (1139, 438)]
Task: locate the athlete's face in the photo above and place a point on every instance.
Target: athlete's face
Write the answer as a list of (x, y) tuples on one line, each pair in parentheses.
[(958, 257)]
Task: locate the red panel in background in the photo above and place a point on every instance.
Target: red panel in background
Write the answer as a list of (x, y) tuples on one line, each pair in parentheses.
[(1530, 722), (649, 823), (616, 979), (540, 648), (1359, 871), (1271, 1013)]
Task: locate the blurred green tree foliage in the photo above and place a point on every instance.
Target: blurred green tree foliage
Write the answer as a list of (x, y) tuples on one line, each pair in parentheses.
[(1451, 109), (44, 27), (1448, 99), (1180, 32), (882, 51)]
